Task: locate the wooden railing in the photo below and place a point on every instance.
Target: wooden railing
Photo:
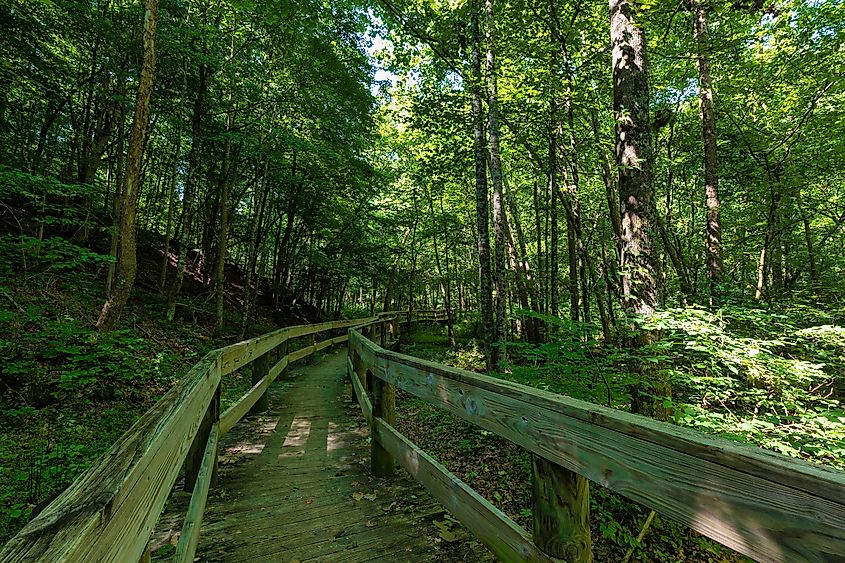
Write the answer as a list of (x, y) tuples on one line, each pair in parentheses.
[(418, 316), (763, 505), (109, 512)]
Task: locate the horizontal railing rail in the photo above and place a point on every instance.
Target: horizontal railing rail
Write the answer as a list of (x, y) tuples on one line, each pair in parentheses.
[(764, 505), (109, 512)]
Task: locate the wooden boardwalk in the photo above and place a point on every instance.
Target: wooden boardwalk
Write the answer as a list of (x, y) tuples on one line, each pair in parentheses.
[(295, 486)]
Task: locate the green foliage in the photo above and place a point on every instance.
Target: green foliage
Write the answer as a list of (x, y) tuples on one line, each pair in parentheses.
[(769, 378)]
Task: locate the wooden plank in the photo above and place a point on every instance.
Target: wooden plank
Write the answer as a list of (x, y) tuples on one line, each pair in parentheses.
[(187, 546), (322, 345), (108, 513), (491, 526), (782, 469), (280, 367), (360, 393), (763, 505), (236, 412)]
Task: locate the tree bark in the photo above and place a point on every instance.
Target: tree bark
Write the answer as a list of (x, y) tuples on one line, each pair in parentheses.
[(485, 277), (496, 178), (713, 243), (633, 159), (223, 231), (127, 264)]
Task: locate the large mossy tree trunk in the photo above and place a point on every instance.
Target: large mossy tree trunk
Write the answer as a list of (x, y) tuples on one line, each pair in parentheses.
[(633, 160), (127, 261)]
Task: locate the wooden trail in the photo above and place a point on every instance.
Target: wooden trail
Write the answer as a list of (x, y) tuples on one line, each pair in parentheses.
[(312, 478), (295, 485)]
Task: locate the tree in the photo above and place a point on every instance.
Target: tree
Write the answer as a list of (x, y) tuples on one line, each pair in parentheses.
[(633, 159), (713, 226), (127, 264), (485, 276)]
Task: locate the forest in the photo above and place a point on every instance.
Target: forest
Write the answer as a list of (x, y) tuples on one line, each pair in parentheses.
[(639, 203)]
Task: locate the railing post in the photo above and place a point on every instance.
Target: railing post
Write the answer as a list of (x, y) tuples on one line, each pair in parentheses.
[(193, 461), (382, 327), (260, 368), (384, 398), (312, 359), (561, 508), (283, 351)]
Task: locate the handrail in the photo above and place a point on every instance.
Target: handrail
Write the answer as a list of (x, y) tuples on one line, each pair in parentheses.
[(765, 505), (109, 512)]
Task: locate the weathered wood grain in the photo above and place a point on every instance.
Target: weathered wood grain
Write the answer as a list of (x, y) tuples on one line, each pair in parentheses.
[(560, 511), (187, 546), (491, 526), (384, 407), (766, 506), (107, 514)]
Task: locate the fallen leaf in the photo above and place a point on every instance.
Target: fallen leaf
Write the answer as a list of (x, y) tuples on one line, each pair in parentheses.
[(357, 496), (369, 523), (371, 496), (309, 500), (444, 531)]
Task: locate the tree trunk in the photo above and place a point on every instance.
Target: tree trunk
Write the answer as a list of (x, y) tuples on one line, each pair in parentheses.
[(262, 188), (633, 159), (496, 178), (713, 241), (188, 198), (127, 264), (485, 277), (223, 232), (811, 254)]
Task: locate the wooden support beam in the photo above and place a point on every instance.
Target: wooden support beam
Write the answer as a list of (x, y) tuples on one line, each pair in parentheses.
[(384, 397), (283, 351), (193, 461), (561, 510), (312, 358), (260, 368), (359, 393), (188, 539)]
